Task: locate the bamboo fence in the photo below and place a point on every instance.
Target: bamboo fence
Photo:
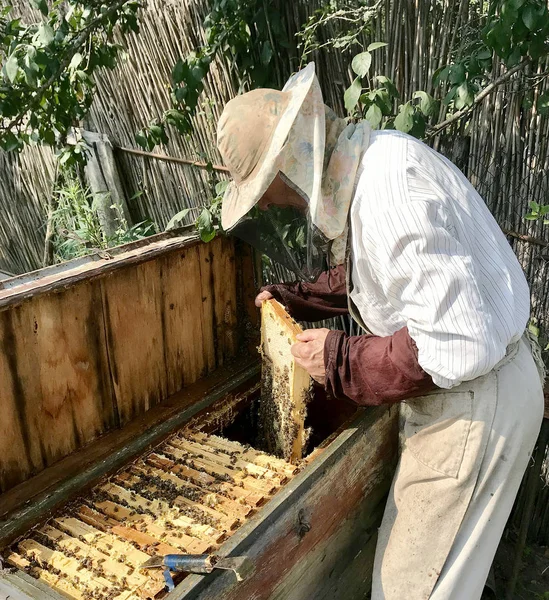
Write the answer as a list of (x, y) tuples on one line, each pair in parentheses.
[(502, 147)]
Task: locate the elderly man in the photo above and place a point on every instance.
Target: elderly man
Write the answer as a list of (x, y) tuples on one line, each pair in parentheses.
[(420, 263)]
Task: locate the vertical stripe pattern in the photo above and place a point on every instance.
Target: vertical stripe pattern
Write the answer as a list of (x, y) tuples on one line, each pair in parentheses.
[(427, 254)]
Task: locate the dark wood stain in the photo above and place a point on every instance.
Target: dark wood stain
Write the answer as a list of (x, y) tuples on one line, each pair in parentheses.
[(18, 393)]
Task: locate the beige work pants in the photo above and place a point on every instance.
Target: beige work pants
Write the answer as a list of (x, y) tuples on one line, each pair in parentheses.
[(464, 455)]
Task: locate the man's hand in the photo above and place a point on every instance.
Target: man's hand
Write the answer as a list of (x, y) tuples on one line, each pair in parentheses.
[(309, 352), (261, 297)]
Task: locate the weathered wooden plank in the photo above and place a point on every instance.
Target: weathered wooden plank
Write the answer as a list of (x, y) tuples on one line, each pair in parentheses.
[(308, 514), (209, 328), (133, 309), (249, 280), (32, 583), (44, 281), (225, 299), (219, 296), (58, 372), (182, 306), (16, 456)]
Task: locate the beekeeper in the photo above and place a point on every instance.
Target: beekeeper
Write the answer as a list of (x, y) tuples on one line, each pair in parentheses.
[(378, 224)]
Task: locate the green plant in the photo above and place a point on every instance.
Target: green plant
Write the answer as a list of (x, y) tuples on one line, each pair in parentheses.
[(208, 222), (538, 212), (245, 32), (379, 104), (47, 81), (338, 24), (76, 227)]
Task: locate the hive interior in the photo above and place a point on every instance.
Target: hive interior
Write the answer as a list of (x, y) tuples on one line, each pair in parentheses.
[(186, 496)]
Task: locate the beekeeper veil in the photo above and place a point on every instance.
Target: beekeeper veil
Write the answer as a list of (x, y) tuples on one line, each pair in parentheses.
[(291, 133)]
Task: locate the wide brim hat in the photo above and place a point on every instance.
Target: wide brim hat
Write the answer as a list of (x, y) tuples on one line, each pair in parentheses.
[(252, 132)]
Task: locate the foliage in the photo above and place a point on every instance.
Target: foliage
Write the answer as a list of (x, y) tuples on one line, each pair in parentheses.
[(245, 32), (341, 22), (538, 212), (47, 81), (77, 230), (515, 31), (377, 104), (208, 222)]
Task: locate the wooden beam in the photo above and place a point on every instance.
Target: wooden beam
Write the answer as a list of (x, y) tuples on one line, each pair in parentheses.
[(18, 289)]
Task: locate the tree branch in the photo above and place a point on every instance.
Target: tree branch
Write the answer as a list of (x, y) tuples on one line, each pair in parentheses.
[(74, 47), (480, 97)]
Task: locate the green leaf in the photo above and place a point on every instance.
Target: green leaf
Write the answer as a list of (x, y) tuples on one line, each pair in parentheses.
[(450, 95), (537, 47), (352, 94), (65, 157), (484, 54), (533, 329), (418, 130), (266, 53), (388, 85), (45, 35), (10, 142), (41, 5), (141, 139), (404, 121), (361, 63), (441, 74), (514, 57), (221, 187), (11, 67), (543, 104), (175, 221), (375, 46), (529, 17), (457, 73), (465, 96), (75, 61), (374, 115), (426, 103), (205, 226), (179, 71)]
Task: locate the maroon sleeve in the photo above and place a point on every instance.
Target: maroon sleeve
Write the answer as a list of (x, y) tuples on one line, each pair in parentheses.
[(325, 298), (372, 370)]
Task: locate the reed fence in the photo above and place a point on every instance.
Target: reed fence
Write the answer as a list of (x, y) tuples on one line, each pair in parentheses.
[(502, 147)]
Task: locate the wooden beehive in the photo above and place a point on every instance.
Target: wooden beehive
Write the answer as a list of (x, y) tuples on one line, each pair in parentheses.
[(128, 384)]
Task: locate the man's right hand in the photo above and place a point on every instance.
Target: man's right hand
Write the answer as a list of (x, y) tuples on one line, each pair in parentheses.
[(261, 297)]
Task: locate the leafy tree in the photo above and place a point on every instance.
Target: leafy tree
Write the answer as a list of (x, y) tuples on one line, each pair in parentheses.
[(250, 34), (48, 68), (515, 31)]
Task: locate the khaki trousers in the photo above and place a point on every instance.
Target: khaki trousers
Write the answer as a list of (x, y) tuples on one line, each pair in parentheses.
[(463, 459)]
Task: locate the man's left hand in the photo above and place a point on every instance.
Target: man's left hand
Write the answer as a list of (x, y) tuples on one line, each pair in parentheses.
[(309, 352)]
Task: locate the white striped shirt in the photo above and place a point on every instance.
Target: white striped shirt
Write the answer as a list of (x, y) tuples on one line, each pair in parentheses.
[(427, 254)]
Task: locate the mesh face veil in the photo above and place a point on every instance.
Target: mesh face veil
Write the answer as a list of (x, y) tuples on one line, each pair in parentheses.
[(266, 133), (287, 236)]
